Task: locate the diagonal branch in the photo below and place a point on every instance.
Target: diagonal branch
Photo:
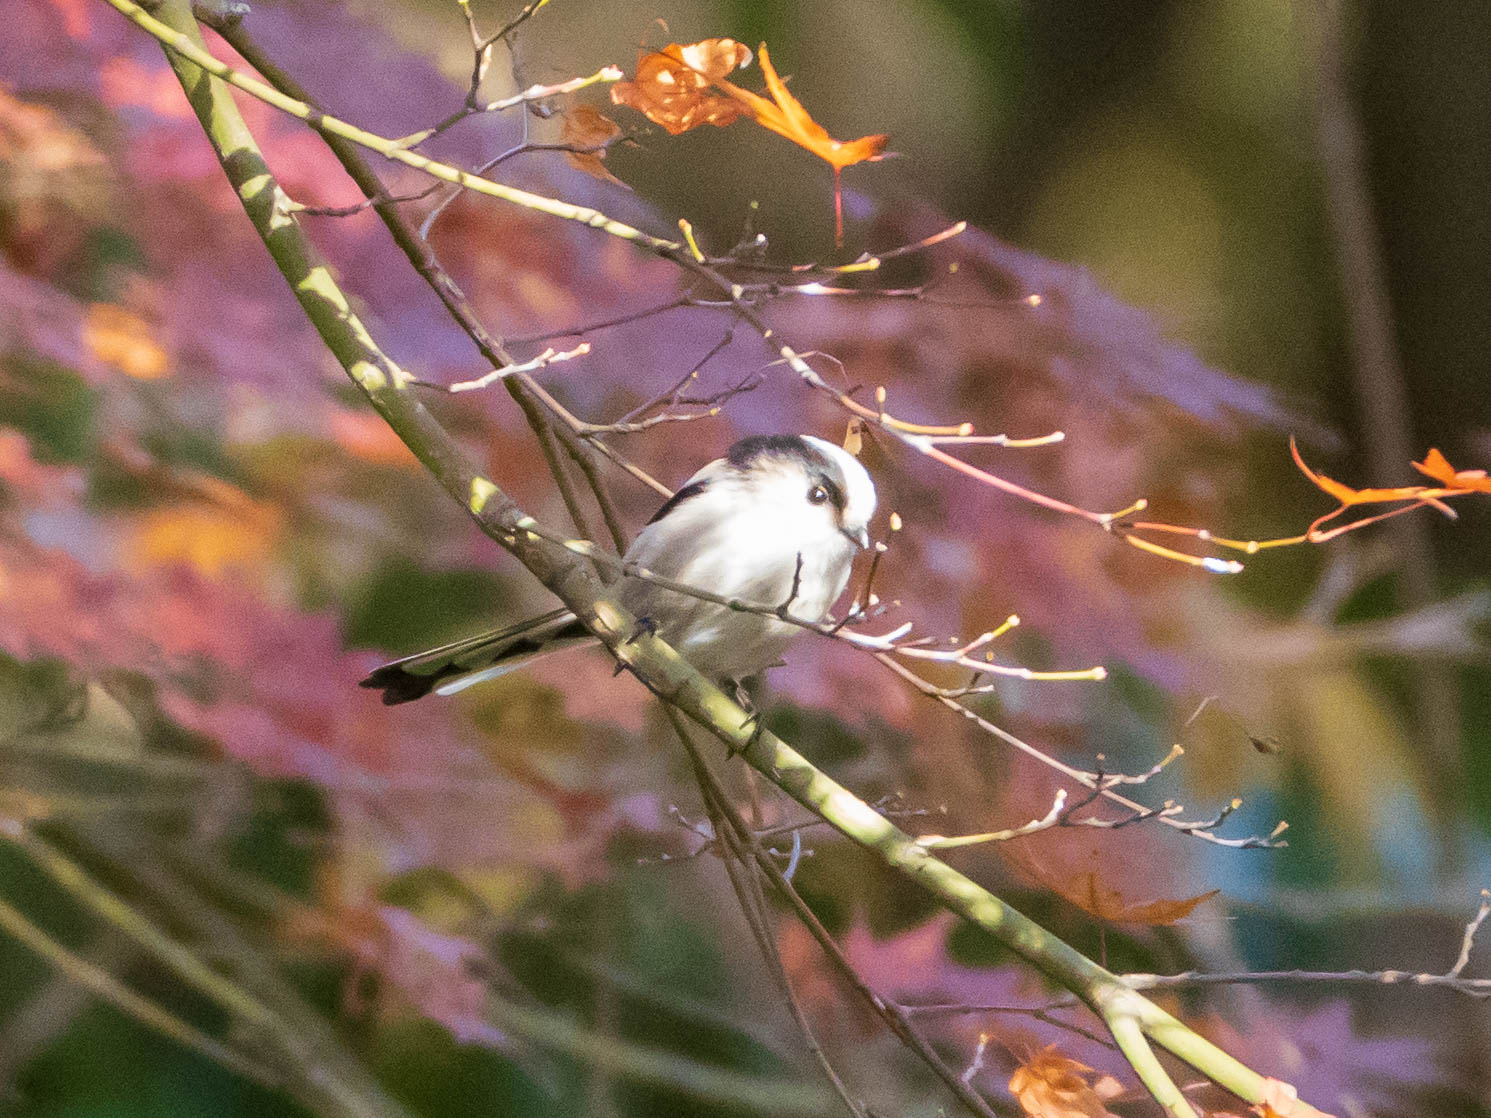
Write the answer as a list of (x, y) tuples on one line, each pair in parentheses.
[(573, 580)]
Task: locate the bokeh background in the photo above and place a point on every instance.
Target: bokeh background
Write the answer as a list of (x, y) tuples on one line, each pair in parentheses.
[(1245, 218)]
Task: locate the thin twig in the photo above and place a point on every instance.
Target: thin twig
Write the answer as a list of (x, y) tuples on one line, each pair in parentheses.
[(422, 258), (753, 905), (889, 1012), (109, 989)]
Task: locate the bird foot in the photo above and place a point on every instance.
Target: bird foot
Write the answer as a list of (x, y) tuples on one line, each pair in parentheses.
[(644, 625), (752, 718)]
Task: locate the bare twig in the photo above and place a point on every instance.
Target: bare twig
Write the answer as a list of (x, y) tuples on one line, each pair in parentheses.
[(423, 260), (107, 988), (898, 1022), (736, 839), (548, 357)]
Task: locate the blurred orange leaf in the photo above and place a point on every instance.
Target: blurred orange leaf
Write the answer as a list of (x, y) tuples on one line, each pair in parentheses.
[(228, 530), (1089, 893), (672, 86), (122, 339), (1436, 466), (364, 435), (1050, 1085), (585, 127)]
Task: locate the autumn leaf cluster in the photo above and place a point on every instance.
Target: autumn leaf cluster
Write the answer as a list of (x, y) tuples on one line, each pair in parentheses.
[(685, 86)]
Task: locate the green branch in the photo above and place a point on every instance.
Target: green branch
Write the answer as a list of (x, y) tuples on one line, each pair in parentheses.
[(186, 46), (570, 577), (311, 1069), (104, 986)]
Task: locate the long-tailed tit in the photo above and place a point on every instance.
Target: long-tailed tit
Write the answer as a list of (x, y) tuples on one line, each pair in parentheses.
[(778, 520)]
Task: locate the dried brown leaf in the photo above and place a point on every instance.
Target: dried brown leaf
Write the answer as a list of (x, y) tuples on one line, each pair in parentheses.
[(589, 130), (1108, 903), (1050, 1085)]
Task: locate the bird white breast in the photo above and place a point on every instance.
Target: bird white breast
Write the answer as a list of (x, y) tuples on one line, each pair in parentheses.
[(744, 544)]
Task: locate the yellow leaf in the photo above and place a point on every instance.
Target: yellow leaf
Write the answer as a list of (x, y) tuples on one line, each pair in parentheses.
[(237, 532)]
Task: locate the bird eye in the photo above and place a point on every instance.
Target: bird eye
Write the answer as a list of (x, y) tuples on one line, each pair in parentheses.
[(817, 495)]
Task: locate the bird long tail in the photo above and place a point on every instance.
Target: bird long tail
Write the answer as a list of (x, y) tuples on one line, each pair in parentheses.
[(456, 666)]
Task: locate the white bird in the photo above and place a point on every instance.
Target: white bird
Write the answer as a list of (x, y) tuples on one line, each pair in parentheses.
[(776, 521)]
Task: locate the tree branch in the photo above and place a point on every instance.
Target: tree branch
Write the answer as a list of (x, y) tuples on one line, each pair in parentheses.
[(572, 579)]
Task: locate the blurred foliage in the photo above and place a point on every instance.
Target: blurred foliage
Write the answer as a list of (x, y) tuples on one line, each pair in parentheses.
[(205, 542)]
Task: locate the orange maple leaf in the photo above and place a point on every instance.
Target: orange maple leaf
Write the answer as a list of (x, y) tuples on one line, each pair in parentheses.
[(1090, 894), (674, 86), (784, 115), (1436, 466), (1349, 496), (1050, 1085), (682, 87)]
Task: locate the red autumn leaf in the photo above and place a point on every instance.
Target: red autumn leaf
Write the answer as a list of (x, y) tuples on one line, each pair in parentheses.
[(589, 131), (1436, 466), (673, 86), (1050, 1085)]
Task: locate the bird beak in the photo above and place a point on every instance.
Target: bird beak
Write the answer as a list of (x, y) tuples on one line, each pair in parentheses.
[(861, 538)]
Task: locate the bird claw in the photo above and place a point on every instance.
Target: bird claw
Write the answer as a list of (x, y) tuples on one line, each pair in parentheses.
[(644, 625), (752, 718)]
